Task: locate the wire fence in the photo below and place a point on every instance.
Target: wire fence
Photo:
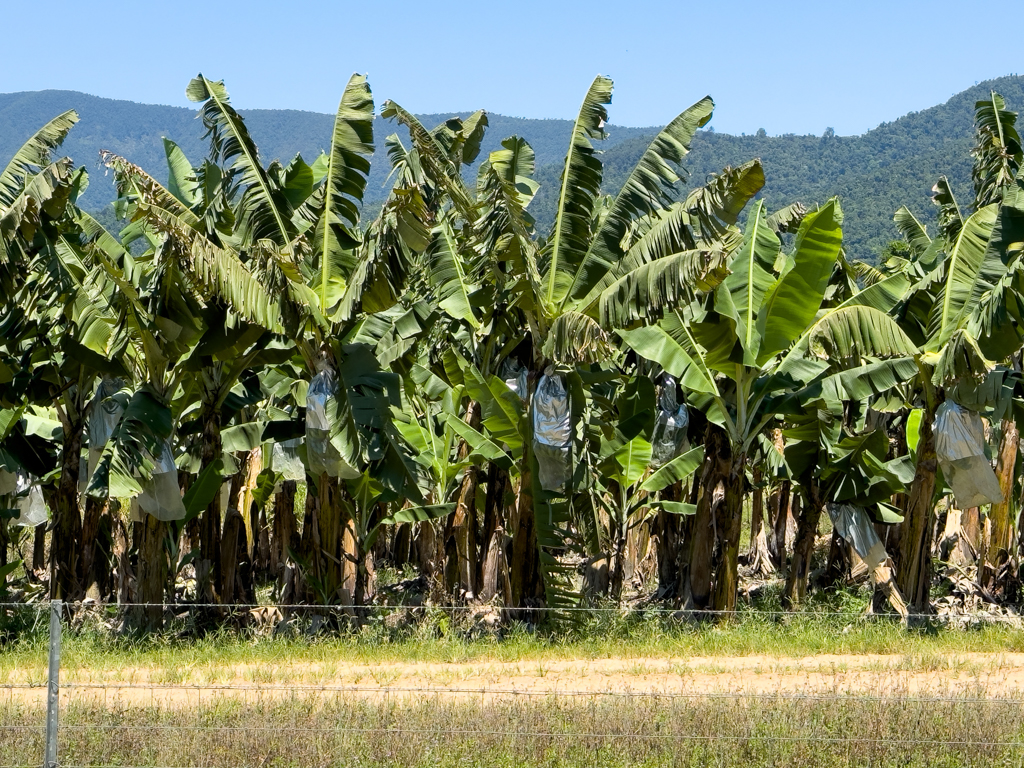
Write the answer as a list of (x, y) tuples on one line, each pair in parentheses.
[(1006, 616), (142, 722)]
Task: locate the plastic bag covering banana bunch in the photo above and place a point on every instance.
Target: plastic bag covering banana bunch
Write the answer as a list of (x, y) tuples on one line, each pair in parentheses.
[(960, 450), (104, 417), (20, 491), (161, 496), (321, 454), (854, 525), (670, 425), (286, 461), (514, 375), (552, 431)]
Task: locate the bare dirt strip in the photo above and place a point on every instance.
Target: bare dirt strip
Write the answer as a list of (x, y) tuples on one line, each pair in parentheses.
[(969, 674)]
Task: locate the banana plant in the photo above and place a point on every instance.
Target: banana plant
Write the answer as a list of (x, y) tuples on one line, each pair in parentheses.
[(536, 302), (748, 346), (61, 334), (250, 232), (956, 313), (624, 496), (835, 459)]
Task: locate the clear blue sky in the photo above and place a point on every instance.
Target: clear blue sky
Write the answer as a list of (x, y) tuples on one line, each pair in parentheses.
[(784, 66)]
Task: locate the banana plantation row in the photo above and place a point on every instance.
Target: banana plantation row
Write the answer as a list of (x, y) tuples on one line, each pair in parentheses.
[(249, 386)]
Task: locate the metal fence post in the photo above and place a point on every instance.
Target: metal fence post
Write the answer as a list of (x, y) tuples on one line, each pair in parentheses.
[(53, 686)]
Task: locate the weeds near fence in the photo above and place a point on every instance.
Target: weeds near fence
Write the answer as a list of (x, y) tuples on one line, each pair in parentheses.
[(550, 731)]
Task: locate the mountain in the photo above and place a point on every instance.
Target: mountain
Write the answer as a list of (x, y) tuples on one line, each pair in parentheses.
[(894, 164), (136, 131)]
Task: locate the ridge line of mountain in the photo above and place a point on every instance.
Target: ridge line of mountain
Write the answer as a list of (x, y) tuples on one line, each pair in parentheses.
[(893, 164)]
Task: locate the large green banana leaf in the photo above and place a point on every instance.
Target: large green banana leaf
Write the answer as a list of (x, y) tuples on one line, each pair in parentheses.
[(791, 303)]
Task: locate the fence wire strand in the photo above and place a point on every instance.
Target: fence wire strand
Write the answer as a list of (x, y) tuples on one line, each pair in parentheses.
[(623, 735), (421, 690), (625, 611), (199, 731)]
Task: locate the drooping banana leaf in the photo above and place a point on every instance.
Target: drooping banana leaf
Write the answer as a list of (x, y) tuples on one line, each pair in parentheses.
[(647, 189)]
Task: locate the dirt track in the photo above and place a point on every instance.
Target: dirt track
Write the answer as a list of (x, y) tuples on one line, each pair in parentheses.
[(999, 675)]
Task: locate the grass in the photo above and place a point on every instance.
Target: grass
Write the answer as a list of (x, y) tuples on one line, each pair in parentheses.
[(831, 732), (438, 638)]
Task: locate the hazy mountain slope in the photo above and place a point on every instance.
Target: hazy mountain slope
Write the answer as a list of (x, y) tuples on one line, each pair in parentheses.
[(136, 130), (874, 174), (894, 164)]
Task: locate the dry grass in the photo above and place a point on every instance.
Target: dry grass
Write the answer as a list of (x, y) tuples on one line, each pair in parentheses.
[(184, 653), (830, 732), (880, 724)]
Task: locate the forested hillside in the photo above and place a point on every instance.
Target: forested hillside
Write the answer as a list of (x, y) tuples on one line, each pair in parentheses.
[(874, 174), (895, 164), (135, 131)]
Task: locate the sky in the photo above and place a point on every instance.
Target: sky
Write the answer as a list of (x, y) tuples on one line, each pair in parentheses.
[(787, 67)]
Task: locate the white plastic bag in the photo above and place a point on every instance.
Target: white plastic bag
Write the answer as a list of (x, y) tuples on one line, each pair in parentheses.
[(285, 460), (670, 425), (514, 376), (960, 450), (321, 454), (854, 525), (161, 495), (20, 491), (33, 509), (552, 432), (319, 397), (104, 417), (106, 413)]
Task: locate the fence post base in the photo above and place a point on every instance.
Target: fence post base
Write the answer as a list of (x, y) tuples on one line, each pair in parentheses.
[(53, 686)]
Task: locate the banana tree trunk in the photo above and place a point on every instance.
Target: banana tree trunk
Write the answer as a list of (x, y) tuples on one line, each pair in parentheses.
[(234, 529), (66, 541), (782, 525), (39, 549), (970, 525), (1001, 515), (758, 556), (262, 553), (401, 546), (152, 572), (695, 589), (464, 522), (230, 590), (364, 577), (668, 536), (284, 527), (425, 550), (618, 559), (795, 591), (778, 510), (730, 526), (94, 546), (493, 536), (527, 582), (838, 567), (210, 523), (915, 567), (328, 560)]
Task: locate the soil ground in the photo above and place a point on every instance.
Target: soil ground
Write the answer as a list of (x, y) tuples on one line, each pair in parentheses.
[(998, 675)]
